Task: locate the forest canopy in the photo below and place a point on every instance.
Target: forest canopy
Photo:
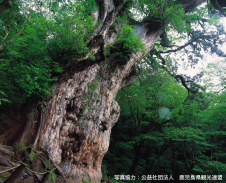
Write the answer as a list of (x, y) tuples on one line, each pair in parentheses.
[(40, 38)]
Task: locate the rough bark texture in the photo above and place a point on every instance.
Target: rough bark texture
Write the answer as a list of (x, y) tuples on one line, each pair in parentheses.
[(77, 121), (73, 127)]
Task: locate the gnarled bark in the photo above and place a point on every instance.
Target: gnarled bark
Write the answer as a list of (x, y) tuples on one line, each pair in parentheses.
[(74, 126), (76, 130)]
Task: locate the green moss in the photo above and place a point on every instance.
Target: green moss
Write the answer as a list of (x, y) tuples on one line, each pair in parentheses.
[(40, 143), (1, 178), (88, 180), (90, 55), (92, 93), (52, 176), (33, 155), (21, 146)]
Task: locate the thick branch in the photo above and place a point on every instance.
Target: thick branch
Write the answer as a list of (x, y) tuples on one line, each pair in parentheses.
[(219, 8), (118, 8), (129, 80), (192, 5), (184, 83)]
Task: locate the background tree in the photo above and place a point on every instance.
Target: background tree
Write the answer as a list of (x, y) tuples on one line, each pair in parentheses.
[(179, 141)]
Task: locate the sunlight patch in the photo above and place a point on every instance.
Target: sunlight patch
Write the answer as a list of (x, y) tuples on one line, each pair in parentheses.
[(164, 113)]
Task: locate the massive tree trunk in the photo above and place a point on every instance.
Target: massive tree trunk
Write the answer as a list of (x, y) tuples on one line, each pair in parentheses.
[(74, 125)]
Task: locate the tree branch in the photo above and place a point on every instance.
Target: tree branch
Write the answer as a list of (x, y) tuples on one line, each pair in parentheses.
[(118, 8), (17, 34), (183, 82), (129, 80), (192, 5), (190, 42), (219, 8)]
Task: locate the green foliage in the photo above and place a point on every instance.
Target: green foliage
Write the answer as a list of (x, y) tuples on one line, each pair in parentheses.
[(88, 180), (3, 97), (30, 62), (52, 176), (69, 32), (91, 56), (33, 155), (123, 145), (175, 20), (28, 68), (130, 42), (192, 136), (89, 6), (126, 43), (1, 178), (140, 121)]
